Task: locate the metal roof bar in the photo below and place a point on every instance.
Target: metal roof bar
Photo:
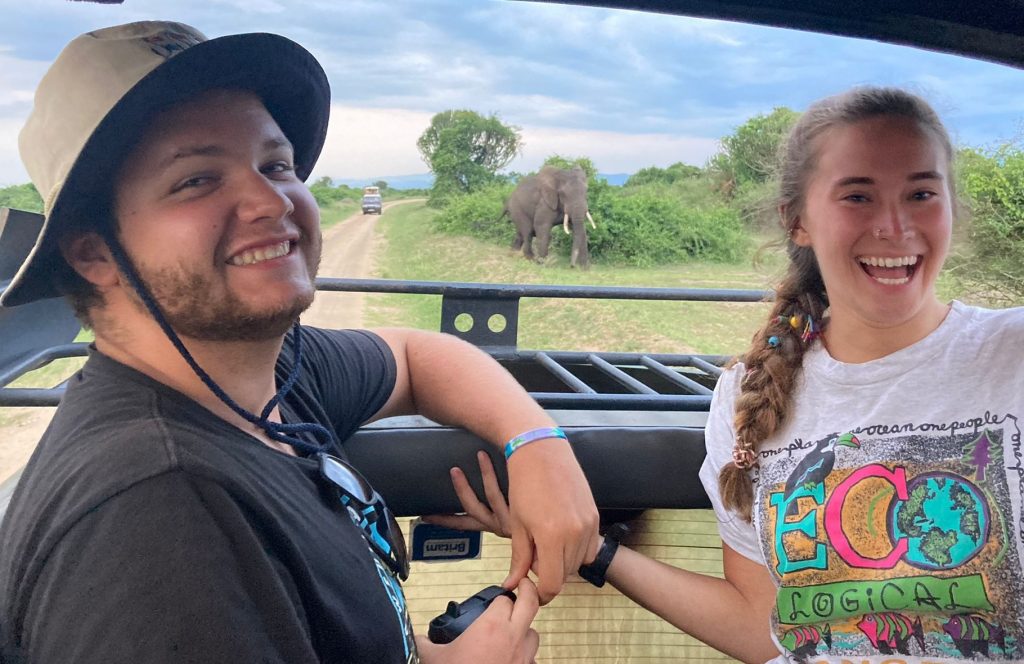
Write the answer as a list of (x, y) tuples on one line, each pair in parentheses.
[(473, 289), (660, 402), (706, 366), (563, 374), (673, 376), (620, 376)]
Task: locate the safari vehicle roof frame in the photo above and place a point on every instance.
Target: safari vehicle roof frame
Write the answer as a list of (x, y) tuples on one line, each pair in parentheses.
[(991, 30), (661, 467)]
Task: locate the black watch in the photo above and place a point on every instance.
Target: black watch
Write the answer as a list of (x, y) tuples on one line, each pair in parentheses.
[(594, 572)]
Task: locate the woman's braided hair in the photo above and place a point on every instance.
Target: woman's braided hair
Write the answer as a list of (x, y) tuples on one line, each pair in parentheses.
[(775, 357)]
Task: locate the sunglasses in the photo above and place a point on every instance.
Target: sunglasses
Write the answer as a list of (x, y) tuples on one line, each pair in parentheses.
[(369, 512)]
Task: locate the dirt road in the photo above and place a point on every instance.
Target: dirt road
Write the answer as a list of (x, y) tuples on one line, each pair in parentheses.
[(348, 252)]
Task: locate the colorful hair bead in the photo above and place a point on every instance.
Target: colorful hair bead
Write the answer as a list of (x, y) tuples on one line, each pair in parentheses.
[(774, 341), (794, 321), (811, 331)]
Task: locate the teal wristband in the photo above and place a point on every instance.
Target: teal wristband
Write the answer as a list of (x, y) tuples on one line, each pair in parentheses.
[(531, 436)]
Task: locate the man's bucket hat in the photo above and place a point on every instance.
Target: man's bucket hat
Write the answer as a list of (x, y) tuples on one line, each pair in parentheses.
[(104, 88)]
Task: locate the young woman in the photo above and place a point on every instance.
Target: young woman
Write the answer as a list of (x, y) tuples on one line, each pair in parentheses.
[(864, 455)]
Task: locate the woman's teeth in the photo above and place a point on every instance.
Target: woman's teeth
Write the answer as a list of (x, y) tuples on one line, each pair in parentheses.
[(889, 271), (260, 255), (888, 262)]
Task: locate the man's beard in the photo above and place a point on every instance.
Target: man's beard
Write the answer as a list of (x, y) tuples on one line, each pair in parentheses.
[(190, 308)]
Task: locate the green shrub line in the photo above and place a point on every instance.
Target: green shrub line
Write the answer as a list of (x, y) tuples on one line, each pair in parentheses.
[(637, 227)]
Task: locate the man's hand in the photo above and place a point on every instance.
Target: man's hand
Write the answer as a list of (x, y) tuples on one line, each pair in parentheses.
[(553, 515), (501, 635)]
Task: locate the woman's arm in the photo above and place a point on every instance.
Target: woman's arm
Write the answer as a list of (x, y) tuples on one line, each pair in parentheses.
[(730, 614)]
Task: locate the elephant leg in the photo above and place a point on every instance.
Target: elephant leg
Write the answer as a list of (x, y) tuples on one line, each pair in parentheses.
[(528, 245), (517, 243), (543, 241)]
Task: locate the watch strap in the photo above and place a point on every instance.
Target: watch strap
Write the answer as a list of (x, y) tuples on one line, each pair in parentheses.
[(594, 572)]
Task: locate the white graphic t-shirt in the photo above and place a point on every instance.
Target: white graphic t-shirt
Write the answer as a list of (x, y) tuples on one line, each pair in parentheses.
[(888, 506)]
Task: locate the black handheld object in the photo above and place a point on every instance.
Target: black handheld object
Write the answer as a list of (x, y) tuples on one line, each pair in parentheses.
[(458, 617)]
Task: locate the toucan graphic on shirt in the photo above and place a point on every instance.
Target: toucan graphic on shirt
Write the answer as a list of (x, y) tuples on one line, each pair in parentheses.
[(815, 467)]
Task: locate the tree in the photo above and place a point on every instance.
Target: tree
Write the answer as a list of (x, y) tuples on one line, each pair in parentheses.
[(21, 197), (990, 265), (749, 155), (674, 173), (465, 150), (558, 161), (382, 185)]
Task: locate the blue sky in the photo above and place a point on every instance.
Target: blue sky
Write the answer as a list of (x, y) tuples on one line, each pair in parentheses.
[(625, 88)]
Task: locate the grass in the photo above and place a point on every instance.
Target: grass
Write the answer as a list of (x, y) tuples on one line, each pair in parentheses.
[(413, 250), (337, 211), (48, 376)]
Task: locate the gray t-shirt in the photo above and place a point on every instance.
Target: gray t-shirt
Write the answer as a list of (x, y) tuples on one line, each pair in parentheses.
[(147, 529), (888, 506)]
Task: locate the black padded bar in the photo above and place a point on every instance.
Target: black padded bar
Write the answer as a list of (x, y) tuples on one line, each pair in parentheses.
[(620, 376), (24, 397), (40, 359), (627, 467), (673, 376)]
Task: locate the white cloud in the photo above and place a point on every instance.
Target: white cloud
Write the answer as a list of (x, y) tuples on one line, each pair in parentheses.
[(18, 78), (379, 142), (11, 170), (541, 106), (612, 152), (371, 142)]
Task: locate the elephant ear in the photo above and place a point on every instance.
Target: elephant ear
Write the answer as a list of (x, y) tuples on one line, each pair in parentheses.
[(549, 179)]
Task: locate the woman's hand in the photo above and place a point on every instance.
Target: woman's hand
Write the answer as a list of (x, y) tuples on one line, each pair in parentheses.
[(495, 516), (501, 635), (492, 517)]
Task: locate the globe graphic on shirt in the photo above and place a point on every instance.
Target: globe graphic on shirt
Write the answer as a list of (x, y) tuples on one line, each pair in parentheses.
[(945, 521)]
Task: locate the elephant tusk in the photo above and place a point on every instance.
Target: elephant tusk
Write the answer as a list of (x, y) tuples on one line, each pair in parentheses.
[(565, 224), (592, 223)]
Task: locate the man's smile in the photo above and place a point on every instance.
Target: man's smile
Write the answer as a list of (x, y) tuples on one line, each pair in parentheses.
[(260, 254)]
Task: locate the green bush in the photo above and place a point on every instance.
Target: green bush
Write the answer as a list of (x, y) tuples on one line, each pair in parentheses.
[(645, 229), (477, 214), (992, 263), (326, 193), (640, 229), (755, 202)]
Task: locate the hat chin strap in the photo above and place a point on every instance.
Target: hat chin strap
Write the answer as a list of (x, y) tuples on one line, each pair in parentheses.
[(277, 431)]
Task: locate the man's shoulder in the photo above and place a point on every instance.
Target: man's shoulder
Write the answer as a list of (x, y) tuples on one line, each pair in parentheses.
[(323, 343), (105, 439)]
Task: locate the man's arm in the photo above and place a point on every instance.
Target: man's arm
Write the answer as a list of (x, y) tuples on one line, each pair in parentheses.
[(453, 382)]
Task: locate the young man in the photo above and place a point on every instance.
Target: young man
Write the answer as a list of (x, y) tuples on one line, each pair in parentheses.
[(190, 500)]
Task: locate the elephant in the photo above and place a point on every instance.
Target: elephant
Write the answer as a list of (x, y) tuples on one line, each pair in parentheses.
[(540, 202)]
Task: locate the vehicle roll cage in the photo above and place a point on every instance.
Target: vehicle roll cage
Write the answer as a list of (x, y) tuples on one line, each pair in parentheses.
[(608, 402)]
